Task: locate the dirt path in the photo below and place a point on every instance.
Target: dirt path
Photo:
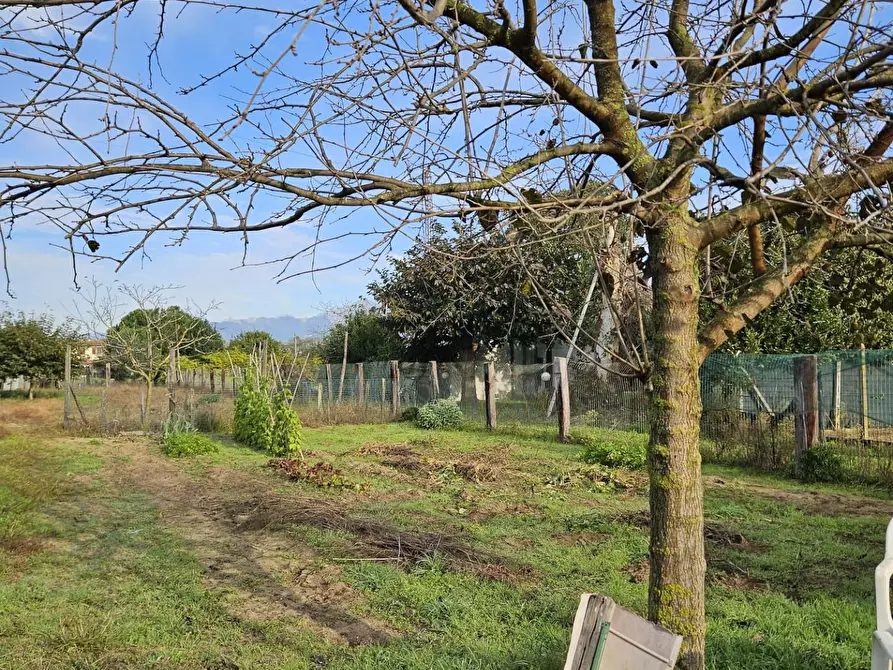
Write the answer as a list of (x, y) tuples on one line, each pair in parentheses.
[(265, 574)]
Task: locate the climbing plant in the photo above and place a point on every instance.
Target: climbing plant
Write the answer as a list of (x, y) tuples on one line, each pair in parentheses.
[(264, 419), (285, 438)]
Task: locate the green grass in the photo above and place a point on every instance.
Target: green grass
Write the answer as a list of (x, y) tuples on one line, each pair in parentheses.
[(105, 582)]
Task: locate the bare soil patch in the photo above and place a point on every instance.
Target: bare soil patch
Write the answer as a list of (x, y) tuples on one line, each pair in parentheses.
[(375, 539), (638, 572), (820, 502), (715, 534), (475, 471), (582, 539)]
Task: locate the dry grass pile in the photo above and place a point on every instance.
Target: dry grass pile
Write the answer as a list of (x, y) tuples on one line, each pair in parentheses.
[(404, 457), (381, 449)]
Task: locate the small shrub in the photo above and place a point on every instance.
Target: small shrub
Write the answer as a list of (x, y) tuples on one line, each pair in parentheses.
[(266, 422), (821, 464), (409, 414), (439, 414), (616, 452), (210, 399), (177, 445)]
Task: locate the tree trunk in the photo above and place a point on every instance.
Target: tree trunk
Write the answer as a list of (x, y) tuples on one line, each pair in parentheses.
[(149, 387), (676, 593), (30, 389)]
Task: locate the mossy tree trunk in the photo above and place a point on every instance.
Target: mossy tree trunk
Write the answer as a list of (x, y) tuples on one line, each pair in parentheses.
[(676, 594)]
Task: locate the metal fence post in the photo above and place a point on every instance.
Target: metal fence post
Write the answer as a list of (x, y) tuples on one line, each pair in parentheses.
[(863, 378)]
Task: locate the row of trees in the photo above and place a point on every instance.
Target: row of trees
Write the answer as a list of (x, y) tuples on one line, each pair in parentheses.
[(136, 345), (448, 297)]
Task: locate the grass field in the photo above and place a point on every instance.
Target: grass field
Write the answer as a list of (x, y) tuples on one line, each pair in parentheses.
[(436, 550)]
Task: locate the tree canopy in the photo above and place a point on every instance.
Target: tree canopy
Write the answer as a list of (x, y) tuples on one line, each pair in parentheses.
[(249, 340), (174, 327), (453, 292), (33, 346), (846, 302), (370, 337)]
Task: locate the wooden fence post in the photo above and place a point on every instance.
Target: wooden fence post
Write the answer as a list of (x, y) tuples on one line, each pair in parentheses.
[(490, 394), (66, 407), (319, 397), (835, 397), (435, 381), (384, 394), (806, 405), (329, 381), (213, 384), (171, 381), (863, 378), (395, 386), (562, 385), (105, 396), (361, 385)]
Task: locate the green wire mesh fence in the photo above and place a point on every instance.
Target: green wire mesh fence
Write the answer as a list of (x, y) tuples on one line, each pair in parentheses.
[(751, 403)]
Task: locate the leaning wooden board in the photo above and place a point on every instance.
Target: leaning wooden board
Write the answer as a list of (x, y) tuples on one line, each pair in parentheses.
[(608, 637)]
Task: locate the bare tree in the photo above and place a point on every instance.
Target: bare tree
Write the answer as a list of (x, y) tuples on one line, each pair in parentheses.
[(142, 339), (703, 121)]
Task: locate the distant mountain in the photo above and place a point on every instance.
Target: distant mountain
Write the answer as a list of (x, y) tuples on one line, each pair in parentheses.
[(282, 328)]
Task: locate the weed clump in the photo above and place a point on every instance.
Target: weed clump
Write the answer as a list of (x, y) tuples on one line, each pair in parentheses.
[(821, 463), (439, 415), (616, 452), (180, 438)]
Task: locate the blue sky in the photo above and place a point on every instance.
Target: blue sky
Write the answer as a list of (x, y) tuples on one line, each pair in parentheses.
[(208, 267)]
